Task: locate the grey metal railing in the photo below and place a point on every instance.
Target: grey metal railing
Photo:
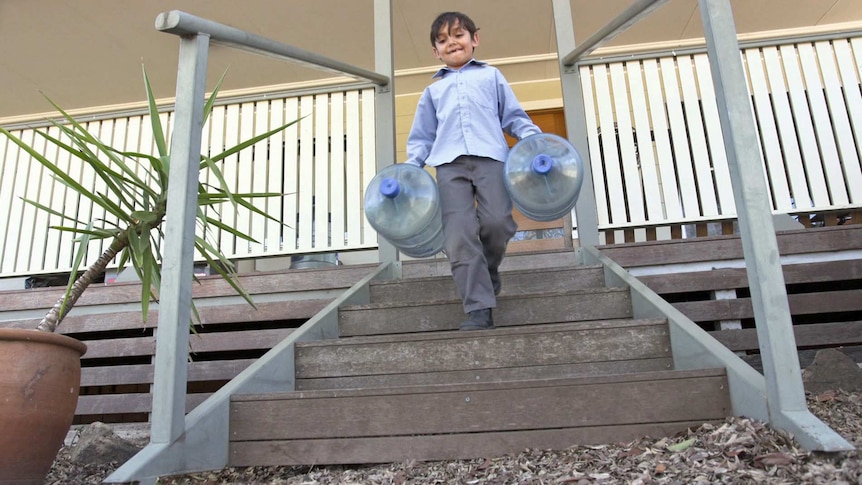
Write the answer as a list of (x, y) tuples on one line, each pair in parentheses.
[(204, 446), (785, 404)]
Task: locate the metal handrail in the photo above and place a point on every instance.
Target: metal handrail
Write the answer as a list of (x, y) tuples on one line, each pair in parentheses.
[(181, 23), (616, 26)]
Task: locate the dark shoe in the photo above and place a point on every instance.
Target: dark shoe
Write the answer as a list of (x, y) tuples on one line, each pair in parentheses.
[(479, 320)]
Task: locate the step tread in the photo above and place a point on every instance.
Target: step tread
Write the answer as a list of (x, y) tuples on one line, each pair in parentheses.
[(401, 449), (509, 273), (416, 413), (512, 310), (519, 373), (484, 386), (495, 332), (559, 344), (521, 296)]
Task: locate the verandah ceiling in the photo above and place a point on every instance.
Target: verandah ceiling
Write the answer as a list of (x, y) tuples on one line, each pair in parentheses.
[(87, 53)]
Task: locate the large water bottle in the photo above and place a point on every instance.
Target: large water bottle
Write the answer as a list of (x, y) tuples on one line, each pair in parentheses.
[(403, 205), (544, 174)]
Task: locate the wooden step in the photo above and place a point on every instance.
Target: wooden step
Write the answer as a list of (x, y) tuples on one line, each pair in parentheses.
[(525, 309), (517, 353), (515, 282), (440, 422), (527, 260)]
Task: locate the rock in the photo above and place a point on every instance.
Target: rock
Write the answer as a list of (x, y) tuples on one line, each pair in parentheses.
[(98, 445), (831, 370)]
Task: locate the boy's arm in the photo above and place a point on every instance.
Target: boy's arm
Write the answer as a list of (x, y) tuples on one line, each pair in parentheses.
[(423, 132), (513, 118)]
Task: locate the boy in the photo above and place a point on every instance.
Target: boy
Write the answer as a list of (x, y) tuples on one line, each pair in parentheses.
[(458, 129)]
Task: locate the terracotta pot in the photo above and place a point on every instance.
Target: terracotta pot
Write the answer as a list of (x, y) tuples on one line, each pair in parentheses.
[(40, 375)]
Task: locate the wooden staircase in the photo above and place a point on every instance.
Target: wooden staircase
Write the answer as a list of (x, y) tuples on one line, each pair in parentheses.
[(567, 364)]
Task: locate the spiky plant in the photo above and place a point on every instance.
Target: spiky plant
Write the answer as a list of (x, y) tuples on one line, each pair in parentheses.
[(135, 194)]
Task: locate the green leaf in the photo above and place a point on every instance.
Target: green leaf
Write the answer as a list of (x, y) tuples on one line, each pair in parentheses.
[(682, 446), (95, 233), (147, 217), (223, 266), (80, 254), (62, 175), (158, 133), (147, 270), (211, 101), (251, 141)]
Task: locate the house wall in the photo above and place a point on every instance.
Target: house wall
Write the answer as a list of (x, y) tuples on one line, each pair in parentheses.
[(536, 83)]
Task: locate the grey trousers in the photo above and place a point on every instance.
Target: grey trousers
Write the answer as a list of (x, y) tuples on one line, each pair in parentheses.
[(477, 226)]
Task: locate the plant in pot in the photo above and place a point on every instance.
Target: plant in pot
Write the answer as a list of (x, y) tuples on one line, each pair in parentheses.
[(41, 369)]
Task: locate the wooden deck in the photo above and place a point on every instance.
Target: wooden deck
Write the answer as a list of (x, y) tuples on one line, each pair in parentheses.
[(702, 277), (706, 280)]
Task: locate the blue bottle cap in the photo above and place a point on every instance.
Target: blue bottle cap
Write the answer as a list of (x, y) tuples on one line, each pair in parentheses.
[(389, 188), (542, 164)]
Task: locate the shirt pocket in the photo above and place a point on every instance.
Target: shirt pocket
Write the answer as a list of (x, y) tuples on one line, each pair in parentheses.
[(484, 98)]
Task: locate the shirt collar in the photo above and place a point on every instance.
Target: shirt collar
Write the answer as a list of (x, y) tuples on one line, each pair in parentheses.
[(443, 70)]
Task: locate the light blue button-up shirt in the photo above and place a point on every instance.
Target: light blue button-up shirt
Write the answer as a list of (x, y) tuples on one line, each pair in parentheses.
[(465, 112)]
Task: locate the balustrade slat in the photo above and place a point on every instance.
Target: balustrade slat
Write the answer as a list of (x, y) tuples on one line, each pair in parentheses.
[(679, 139), (822, 126), (274, 177), (291, 171), (776, 173), (321, 172), (715, 138), (696, 137), (840, 121), (590, 110), (369, 160), (664, 153), (848, 70), (806, 138), (610, 161), (39, 185), (57, 242), (254, 166), (228, 215), (337, 186), (17, 242), (244, 178), (354, 192), (306, 174), (631, 171), (786, 126), (643, 136)]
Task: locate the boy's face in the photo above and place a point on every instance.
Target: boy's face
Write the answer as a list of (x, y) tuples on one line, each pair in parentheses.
[(454, 45)]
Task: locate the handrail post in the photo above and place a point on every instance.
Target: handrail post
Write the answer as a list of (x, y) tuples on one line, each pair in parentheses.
[(384, 105), (576, 126), (172, 335), (785, 392)]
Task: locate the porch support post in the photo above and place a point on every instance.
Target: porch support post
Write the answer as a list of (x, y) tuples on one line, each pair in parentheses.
[(384, 105), (576, 125), (172, 338), (785, 393)]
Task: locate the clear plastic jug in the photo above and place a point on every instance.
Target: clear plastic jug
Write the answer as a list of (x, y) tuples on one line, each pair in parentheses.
[(402, 204), (543, 175)]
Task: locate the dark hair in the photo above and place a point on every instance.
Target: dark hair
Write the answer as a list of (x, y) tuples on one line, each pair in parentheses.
[(450, 18)]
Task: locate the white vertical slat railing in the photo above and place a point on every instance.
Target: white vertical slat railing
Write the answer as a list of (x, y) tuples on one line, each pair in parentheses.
[(656, 145), (654, 141), (320, 164)]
